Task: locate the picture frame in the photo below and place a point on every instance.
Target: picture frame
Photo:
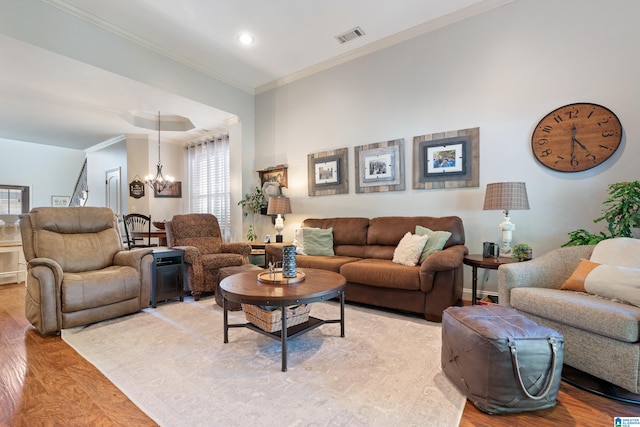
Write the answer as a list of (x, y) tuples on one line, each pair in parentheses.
[(463, 145), (445, 158), (174, 191), (327, 172), (60, 201), (380, 166), (277, 174)]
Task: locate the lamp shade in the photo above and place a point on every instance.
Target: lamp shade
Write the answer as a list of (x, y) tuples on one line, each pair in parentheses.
[(279, 205), (506, 196)]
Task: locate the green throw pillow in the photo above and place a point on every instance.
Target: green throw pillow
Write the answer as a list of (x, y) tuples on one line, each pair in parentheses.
[(318, 241), (435, 242)]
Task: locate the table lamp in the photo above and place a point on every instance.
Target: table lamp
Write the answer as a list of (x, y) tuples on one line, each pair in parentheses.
[(506, 196), (279, 205)]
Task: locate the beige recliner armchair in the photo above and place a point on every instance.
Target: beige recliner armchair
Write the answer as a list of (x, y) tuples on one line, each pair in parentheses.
[(77, 270)]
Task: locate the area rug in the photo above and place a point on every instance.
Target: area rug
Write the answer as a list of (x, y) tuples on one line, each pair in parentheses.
[(172, 363)]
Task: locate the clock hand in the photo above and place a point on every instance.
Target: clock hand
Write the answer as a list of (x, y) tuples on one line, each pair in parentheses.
[(580, 144)]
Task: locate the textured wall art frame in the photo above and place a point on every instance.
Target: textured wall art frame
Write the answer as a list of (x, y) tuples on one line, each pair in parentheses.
[(380, 166), (464, 171), (328, 172), (175, 191)]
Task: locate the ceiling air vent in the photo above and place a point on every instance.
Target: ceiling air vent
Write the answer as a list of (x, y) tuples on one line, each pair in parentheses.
[(350, 35)]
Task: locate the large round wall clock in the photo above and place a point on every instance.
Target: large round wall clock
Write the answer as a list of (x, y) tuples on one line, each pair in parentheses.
[(576, 137)]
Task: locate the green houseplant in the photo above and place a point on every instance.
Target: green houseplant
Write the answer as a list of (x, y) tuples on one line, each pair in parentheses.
[(521, 252), (621, 212), (252, 204)]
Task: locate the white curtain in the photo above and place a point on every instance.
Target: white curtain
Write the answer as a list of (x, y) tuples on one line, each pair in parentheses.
[(209, 181)]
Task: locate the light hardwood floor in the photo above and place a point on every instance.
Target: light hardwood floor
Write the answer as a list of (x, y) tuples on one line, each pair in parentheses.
[(46, 383)]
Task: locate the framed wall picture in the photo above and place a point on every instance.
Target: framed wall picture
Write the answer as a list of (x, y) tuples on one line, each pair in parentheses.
[(274, 174), (328, 172), (447, 159), (442, 157), (380, 166), (60, 201), (173, 191)]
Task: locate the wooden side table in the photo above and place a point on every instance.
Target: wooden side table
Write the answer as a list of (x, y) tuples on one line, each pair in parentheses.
[(478, 261)]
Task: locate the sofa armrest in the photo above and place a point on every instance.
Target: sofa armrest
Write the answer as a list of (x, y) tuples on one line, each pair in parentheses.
[(550, 270), (273, 251), (444, 260)]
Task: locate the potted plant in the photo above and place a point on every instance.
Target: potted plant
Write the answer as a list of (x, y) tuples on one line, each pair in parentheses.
[(622, 214), (253, 203), (521, 252)]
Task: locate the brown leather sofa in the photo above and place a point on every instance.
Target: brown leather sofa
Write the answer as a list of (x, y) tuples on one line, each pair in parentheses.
[(77, 269), (363, 255)]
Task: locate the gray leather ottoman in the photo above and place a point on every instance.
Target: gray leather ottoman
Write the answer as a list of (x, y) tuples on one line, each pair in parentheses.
[(229, 271), (503, 361)]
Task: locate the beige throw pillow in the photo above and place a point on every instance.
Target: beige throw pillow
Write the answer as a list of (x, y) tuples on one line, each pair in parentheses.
[(409, 249)]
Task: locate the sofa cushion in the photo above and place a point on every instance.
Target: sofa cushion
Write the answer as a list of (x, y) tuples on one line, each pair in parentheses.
[(582, 311), (409, 249), (317, 241), (610, 281), (331, 263), (382, 273), (90, 289), (436, 242)]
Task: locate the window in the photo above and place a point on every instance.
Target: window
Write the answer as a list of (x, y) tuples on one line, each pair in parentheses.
[(14, 199), (209, 181)]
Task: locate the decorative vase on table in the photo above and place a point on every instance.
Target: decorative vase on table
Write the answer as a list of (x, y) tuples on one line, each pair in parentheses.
[(289, 261)]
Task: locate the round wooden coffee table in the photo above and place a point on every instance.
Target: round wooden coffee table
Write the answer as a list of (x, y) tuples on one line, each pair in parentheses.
[(318, 285)]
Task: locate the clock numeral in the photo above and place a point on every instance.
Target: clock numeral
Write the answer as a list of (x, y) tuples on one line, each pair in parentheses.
[(608, 133), (591, 113), (558, 161), (591, 157), (542, 141), (546, 153), (605, 147), (558, 118), (547, 129), (574, 162), (573, 113), (603, 121)]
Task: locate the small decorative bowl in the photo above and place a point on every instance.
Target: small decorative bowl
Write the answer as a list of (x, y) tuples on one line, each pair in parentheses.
[(158, 224)]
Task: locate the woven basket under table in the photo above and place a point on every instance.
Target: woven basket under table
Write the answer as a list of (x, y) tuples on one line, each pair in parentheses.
[(271, 321)]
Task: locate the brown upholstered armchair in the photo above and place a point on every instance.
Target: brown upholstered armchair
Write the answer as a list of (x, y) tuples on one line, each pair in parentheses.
[(77, 269), (204, 251)]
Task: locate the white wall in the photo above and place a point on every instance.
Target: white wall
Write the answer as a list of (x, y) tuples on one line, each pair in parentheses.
[(501, 71), (48, 27), (48, 171)]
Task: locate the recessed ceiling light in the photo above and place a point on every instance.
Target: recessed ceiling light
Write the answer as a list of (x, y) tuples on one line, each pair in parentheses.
[(246, 39)]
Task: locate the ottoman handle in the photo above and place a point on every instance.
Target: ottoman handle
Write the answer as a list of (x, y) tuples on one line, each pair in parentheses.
[(516, 368)]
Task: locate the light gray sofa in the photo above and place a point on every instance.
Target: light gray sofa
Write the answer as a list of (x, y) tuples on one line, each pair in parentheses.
[(601, 335)]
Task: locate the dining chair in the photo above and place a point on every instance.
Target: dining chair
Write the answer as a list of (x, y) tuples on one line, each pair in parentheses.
[(137, 228)]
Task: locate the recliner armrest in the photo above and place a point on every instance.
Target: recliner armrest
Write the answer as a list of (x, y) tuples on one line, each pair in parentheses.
[(241, 248), (191, 254), (131, 258)]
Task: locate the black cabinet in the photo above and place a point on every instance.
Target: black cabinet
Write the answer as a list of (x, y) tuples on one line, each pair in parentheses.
[(166, 275)]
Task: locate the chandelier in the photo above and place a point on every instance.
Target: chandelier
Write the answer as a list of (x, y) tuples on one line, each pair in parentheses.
[(159, 182)]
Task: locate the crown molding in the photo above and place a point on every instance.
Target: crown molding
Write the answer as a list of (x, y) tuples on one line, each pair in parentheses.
[(121, 32)]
